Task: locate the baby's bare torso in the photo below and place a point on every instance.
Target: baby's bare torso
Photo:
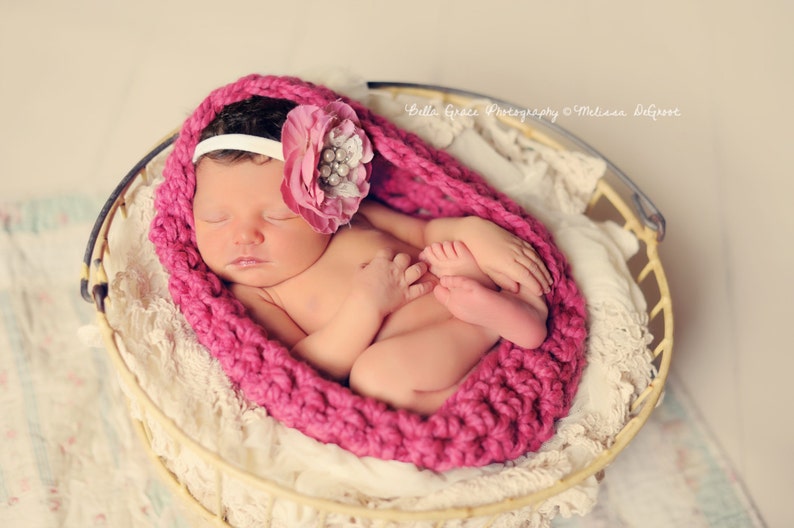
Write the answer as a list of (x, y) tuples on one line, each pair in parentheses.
[(314, 296)]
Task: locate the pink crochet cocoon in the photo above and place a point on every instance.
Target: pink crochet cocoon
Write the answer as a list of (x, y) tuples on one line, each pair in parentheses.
[(507, 406)]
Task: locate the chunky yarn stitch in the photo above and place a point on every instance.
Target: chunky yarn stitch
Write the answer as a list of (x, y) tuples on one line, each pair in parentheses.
[(506, 407)]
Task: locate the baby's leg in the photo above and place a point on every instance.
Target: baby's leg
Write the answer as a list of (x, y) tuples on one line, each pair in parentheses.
[(471, 296), (419, 370)]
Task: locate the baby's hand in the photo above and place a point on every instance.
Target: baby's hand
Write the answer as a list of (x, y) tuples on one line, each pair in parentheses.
[(389, 281), (508, 260)]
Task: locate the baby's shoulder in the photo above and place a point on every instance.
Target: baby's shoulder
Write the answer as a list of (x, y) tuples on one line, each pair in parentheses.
[(358, 229), (357, 241)]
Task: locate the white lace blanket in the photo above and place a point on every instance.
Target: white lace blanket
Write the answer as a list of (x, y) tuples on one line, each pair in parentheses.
[(192, 389)]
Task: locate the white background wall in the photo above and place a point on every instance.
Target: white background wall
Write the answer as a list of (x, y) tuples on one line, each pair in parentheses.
[(89, 86)]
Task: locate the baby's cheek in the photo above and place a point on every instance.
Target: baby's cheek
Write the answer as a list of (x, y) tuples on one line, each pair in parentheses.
[(208, 250)]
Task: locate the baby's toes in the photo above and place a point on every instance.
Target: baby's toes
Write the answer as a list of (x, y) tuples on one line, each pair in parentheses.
[(432, 254)]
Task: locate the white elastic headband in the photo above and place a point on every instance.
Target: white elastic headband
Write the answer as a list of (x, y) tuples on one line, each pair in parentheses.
[(244, 142)]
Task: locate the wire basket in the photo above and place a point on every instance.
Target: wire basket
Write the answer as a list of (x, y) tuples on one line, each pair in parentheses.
[(616, 198)]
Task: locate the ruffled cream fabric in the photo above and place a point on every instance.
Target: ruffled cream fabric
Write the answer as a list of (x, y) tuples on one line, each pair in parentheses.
[(190, 388)]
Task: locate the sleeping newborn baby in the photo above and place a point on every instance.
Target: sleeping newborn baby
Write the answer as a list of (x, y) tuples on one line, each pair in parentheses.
[(399, 307)]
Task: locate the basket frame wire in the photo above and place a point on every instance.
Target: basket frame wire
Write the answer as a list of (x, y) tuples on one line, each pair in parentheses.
[(645, 221)]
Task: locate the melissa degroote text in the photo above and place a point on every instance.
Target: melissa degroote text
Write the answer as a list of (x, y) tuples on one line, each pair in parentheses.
[(450, 111)]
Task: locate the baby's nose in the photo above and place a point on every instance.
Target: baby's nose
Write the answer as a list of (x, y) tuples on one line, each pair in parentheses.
[(249, 234)]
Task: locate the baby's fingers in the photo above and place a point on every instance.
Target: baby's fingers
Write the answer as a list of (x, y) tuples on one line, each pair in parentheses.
[(537, 274), (417, 290), (414, 272), (539, 268), (402, 260), (519, 273), (532, 270), (504, 281)]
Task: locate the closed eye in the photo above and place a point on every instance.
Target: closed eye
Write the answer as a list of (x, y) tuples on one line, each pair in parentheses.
[(281, 215), (219, 219)]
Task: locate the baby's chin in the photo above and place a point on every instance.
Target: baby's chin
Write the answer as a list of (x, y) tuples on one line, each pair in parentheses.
[(242, 279), (249, 283), (251, 280)]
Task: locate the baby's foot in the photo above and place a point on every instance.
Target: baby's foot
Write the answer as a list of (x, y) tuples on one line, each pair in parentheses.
[(504, 313), (451, 258)]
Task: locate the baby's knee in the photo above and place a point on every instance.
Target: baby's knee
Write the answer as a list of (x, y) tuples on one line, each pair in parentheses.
[(372, 376), (366, 374)]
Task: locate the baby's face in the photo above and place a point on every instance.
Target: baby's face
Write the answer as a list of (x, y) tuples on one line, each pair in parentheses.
[(245, 232)]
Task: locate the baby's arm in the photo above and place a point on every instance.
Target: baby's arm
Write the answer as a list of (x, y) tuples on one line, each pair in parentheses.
[(379, 288), (504, 257)]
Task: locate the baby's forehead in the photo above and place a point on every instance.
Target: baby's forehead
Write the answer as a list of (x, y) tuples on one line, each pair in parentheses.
[(232, 189), (261, 170)]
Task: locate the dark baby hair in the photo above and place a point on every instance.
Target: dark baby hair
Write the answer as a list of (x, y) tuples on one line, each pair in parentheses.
[(256, 116)]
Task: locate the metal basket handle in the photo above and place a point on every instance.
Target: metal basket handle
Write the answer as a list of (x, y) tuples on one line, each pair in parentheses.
[(99, 291)]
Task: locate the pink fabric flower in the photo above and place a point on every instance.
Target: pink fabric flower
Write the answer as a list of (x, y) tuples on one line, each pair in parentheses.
[(326, 171)]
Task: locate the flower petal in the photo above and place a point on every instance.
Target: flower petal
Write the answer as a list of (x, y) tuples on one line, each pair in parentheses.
[(324, 204)]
